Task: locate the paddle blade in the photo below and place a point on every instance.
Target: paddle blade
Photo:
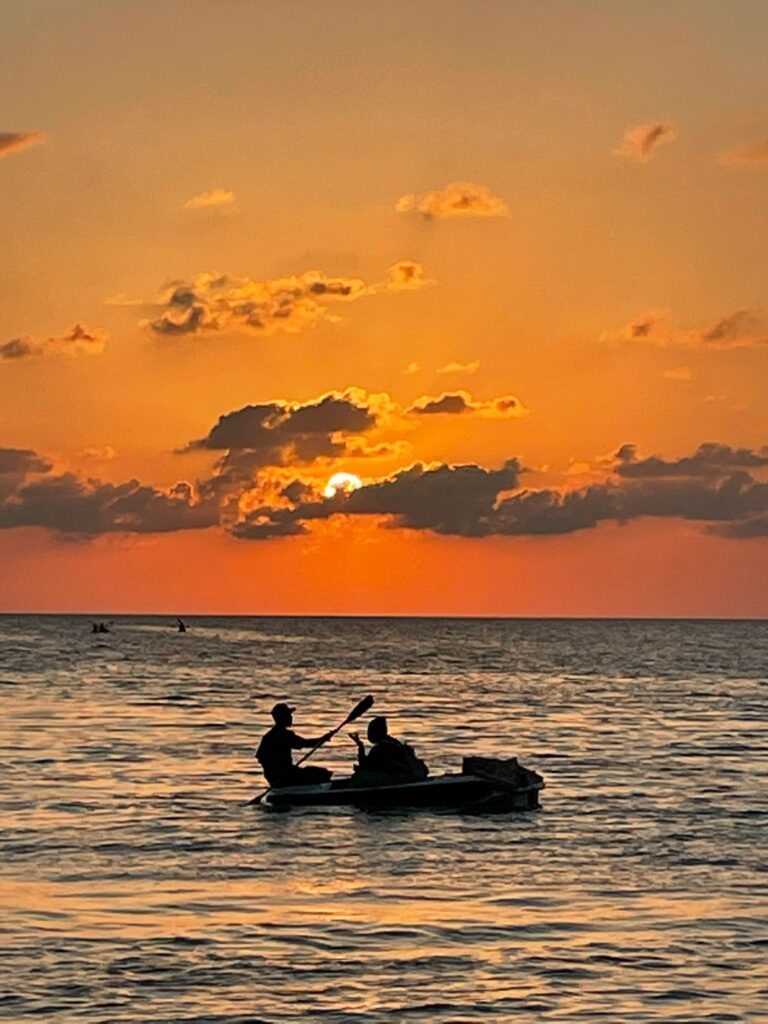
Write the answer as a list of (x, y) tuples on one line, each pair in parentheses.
[(365, 705)]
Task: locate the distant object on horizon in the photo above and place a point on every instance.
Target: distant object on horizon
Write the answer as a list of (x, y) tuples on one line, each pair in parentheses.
[(99, 627), (182, 627)]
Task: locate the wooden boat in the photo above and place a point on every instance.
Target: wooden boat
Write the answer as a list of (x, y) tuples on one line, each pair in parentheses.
[(484, 784)]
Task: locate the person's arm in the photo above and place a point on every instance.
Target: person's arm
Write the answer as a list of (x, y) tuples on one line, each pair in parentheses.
[(361, 755), (300, 742)]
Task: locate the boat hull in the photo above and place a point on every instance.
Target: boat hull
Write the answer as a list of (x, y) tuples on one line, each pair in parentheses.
[(451, 791)]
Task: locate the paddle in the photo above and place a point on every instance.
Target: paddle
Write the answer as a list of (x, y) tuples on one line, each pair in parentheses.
[(364, 705)]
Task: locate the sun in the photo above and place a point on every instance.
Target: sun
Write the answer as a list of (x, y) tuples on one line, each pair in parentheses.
[(344, 482)]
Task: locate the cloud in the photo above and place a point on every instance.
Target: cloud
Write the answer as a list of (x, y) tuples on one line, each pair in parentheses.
[(742, 529), (406, 275), (640, 141), (278, 434), (736, 331), (709, 459), (458, 199), (217, 198), (217, 303), (22, 461), (32, 495), (743, 328), (711, 486), (274, 425), (455, 403), (745, 156), (467, 368), (16, 465), (67, 504), (457, 500), (715, 486), (412, 368), (14, 142), (79, 340)]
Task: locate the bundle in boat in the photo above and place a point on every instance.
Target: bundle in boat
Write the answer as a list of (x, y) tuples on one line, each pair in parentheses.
[(506, 771)]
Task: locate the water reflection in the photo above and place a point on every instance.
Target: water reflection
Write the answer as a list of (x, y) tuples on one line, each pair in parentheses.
[(136, 885)]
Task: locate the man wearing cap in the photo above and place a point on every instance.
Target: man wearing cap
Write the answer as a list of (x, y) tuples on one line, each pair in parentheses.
[(275, 752)]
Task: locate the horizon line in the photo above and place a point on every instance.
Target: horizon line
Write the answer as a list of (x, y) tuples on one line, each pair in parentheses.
[(385, 616)]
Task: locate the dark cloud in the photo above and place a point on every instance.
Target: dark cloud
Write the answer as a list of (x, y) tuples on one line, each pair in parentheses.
[(16, 464), (69, 505), (709, 459), (712, 486), (267, 523), (447, 403), (716, 486), (13, 142), (281, 434), (78, 340), (742, 529), (457, 500), (18, 348), (446, 499), (455, 403), (736, 498), (22, 461)]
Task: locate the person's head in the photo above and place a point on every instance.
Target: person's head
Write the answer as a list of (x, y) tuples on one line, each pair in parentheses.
[(283, 714), (377, 729)]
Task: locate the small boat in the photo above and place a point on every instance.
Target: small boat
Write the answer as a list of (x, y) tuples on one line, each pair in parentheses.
[(484, 784)]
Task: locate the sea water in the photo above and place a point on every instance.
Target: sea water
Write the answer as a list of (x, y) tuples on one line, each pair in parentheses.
[(137, 885)]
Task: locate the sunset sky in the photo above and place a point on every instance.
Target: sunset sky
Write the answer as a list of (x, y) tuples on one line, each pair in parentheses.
[(502, 262)]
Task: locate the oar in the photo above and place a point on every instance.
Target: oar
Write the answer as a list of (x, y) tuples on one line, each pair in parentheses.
[(365, 705)]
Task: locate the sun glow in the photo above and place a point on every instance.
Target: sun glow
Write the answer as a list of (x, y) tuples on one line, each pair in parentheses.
[(344, 482)]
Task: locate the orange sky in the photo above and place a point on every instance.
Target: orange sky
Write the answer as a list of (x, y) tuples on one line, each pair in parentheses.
[(554, 214)]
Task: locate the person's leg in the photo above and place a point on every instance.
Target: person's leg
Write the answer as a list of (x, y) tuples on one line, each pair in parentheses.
[(310, 776)]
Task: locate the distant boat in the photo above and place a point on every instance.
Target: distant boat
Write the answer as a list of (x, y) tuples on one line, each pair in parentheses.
[(182, 626)]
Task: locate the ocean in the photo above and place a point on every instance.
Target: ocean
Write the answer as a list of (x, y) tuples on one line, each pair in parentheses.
[(137, 885)]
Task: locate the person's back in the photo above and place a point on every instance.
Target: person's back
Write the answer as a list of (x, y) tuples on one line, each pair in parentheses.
[(388, 760), (275, 753), (391, 756)]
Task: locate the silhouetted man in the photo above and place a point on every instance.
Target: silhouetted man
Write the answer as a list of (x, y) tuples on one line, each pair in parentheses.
[(275, 752), (388, 760)]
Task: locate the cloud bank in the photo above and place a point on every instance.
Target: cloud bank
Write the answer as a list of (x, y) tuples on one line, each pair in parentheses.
[(32, 495), (711, 487)]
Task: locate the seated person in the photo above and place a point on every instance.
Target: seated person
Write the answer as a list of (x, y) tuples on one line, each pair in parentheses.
[(274, 753), (388, 760)]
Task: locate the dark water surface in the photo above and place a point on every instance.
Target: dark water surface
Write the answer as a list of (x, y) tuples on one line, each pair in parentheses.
[(136, 885)]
